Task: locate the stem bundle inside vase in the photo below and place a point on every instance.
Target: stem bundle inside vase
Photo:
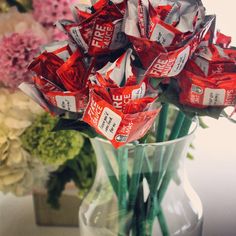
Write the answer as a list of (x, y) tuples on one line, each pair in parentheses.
[(141, 190)]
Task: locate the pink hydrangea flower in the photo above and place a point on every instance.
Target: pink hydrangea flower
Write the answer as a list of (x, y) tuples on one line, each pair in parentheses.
[(17, 50), (47, 12)]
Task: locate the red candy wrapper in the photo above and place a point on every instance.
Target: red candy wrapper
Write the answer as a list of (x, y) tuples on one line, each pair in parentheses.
[(201, 92), (63, 49), (117, 73), (63, 84), (167, 64), (65, 100), (113, 75), (99, 33), (46, 66), (223, 40), (73, 72), (158, 32), (209, 68), (116, 126), (68, 101), (214, 60)]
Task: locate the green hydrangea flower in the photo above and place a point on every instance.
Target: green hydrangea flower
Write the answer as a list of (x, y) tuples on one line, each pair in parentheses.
[(51, 147)]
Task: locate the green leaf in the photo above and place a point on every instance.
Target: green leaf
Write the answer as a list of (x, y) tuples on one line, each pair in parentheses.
[(190, 156), (78, 125), (154, 82), (203, 124), (171, 95)]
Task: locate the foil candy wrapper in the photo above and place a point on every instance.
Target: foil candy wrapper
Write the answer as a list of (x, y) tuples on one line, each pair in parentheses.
[(122, 82), (202, 92), (99, 32), (116, 126), (209, 79)]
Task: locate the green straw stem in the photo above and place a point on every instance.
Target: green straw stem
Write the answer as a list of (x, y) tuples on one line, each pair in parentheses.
[(158, 162), (110, 173), (161, 129), (161, 219), (168, 176), (163, 223), (177, 126), (147, 169), (136, 174), (140, 212), (122, 189), (153, 207), (176, 130), (157, 176), (185, 127)]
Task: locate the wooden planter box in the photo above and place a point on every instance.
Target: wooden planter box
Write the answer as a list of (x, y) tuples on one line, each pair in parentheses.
[(66, 216)]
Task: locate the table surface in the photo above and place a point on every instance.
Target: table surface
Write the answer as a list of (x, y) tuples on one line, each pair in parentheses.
[(212, 174)]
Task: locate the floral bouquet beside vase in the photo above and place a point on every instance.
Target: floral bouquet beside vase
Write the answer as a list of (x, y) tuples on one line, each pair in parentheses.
[(115, 79), (32, 158)]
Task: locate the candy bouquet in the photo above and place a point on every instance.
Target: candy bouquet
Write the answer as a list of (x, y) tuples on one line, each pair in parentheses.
[(124, 65)]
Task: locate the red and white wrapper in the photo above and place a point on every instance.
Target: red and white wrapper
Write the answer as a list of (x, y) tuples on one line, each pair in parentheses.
[(201, 92), (73, 72), (214, 60), (116, 126), (210, 68), (168, 22), (84, 10), (223, 40), (113, 75), (185, 15), (63, 49), (167, 64), (117, 73), (99, 33), (46, 65), (66, 100)]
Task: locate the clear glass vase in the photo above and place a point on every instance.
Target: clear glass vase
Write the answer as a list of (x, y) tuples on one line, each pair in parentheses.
[(141, 190)]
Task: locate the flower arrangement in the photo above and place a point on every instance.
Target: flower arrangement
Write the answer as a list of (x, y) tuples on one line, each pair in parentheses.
[(19, 171), (47, 13), (20, 37), (30, 153), (51, 147), (122, 60)]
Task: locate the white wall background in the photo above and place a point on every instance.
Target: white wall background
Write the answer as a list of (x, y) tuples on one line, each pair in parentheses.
[(225, 13), (213, 173)]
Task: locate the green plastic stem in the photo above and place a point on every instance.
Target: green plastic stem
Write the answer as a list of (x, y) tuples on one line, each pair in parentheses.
[(122, 190), (110, 173), (161, 129)]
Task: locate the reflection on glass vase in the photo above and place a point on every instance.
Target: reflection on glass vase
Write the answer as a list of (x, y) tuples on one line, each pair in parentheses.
[(141, 190)]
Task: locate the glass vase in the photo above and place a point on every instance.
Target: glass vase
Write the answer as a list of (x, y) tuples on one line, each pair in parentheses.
[(141, 190)]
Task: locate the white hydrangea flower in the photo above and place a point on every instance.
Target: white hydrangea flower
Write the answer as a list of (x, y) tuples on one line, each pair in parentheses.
[(19, 172)]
